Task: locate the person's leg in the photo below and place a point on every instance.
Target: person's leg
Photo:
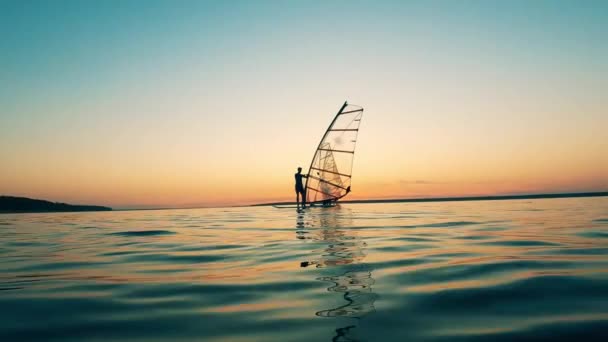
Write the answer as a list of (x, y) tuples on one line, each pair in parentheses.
[(297, 198), (303, 199)]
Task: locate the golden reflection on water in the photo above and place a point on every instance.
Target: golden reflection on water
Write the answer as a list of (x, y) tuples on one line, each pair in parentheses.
[(343, 254)]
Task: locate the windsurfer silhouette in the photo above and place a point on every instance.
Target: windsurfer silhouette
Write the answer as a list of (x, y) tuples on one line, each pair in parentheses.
[(300, 187)]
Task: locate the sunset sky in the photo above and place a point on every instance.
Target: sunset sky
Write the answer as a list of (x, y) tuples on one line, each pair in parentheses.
[(187, 103)]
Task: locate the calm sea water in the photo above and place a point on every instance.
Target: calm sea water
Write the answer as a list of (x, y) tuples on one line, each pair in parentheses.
[(493, 270)]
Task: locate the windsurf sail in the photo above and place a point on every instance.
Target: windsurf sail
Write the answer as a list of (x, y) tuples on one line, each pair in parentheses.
[(330, 172)]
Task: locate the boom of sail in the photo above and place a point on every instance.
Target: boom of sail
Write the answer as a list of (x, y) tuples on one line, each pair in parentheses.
[(330, 172)]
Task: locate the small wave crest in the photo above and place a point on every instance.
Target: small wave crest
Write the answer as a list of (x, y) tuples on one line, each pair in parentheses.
[(142, 233)]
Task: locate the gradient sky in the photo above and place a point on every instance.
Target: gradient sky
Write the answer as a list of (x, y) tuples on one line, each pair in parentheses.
[(183, 103)]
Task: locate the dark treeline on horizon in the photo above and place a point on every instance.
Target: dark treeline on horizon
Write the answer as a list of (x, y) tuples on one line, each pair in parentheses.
[(11, 204)]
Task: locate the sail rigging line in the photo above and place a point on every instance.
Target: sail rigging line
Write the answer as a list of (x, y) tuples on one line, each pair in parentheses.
[(334, 155), (330, 150), (336, 173)]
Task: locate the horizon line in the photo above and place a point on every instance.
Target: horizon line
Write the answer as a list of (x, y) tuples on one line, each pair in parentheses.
[(458, 198), (384, 200)]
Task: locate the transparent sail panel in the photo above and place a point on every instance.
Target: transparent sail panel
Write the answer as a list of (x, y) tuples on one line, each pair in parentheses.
[(331, 169)]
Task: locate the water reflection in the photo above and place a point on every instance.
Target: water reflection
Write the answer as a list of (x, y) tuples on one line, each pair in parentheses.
[(341, 262)]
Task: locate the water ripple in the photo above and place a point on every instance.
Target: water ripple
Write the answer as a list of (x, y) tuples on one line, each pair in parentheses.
[(459, 271), (143, 233)]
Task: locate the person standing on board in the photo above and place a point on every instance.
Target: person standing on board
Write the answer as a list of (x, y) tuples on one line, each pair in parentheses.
[(300, 188)]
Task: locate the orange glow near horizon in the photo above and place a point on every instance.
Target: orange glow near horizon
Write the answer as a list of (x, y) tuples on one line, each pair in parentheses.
[(386, 166), (157, 190)]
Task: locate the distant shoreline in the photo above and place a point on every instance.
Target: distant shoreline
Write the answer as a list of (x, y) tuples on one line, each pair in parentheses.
[(463, 198), (22, 205)]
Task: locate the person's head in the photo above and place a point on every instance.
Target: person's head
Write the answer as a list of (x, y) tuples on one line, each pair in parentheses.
[(299, 169)]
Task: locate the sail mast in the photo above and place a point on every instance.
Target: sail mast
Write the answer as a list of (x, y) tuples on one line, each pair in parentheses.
[(319, 147)]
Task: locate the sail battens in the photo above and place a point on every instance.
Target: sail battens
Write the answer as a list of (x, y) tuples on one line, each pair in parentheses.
[(343, 130), (332, 172), (330, 150), (352, 111)]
